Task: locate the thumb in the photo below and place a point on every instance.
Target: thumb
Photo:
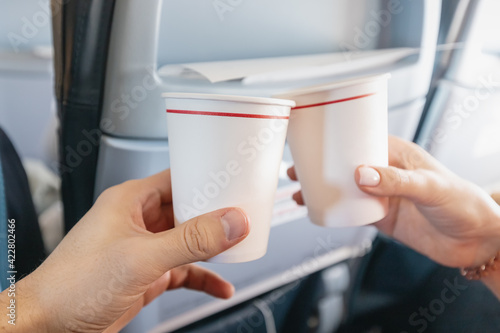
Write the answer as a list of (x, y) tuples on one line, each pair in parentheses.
[(390, 181), (201, 238)]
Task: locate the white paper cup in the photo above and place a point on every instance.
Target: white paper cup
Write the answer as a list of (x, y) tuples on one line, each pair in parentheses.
[(225, 151), (333, 129)]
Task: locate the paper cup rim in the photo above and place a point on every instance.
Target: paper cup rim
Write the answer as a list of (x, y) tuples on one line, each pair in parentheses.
[(231, 98), (328, 86)]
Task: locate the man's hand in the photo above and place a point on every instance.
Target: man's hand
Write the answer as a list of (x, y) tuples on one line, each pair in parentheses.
[(122, 255)]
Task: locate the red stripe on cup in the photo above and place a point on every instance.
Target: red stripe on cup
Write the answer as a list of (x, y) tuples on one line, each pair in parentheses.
[(333, 102), (227, 114)]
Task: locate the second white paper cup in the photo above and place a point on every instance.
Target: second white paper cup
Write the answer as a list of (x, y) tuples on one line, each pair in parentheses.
[(333, 129), (225, 151)]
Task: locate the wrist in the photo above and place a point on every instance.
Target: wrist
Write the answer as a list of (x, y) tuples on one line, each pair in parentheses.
[(488, 270), (25, 313), (492, 281), (489, 243)]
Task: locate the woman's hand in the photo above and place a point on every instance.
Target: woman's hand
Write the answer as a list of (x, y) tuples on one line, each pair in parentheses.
[(432, 210), (121, 256)]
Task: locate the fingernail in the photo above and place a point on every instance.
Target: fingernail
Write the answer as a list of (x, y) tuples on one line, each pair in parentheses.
[(234, 224), (368, 177)]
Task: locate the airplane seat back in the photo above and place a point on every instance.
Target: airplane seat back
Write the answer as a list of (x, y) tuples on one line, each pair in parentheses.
[(462, 120)]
